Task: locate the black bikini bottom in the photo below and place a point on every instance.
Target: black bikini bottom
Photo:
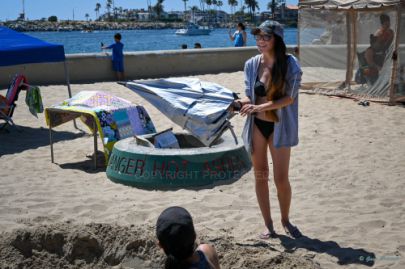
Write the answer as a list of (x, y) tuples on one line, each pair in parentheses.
[(265, 127)]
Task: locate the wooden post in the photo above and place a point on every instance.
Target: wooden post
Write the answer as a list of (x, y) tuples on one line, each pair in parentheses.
[(395, 62), (348, 48), (353, 16)]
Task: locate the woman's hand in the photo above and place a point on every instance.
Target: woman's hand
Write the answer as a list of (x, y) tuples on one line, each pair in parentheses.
[(235, 106), (250, 109)]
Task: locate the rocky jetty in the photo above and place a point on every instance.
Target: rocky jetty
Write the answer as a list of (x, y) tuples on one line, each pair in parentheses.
[(42, 25)]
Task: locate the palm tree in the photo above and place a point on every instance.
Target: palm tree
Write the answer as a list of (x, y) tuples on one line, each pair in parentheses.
[(202, 5), (220, 4), (252, 5), (209, 3), (232, 4), (158, 8), (194, 8), (108, 7), (114, 9), (185, 8), (97, 10), (87, 16), (215, 2), (185, 5), (272, 6), (149, 3)]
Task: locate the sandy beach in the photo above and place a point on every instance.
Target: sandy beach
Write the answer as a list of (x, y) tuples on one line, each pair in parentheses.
[(347, 176)]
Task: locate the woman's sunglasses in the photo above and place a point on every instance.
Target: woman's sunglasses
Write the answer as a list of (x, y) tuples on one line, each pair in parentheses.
[(263, 37)]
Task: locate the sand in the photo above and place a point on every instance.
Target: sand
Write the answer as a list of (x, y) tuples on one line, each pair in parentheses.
[(347, 176)]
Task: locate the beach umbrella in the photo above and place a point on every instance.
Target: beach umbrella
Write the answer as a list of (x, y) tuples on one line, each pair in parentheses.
[(200, 107)]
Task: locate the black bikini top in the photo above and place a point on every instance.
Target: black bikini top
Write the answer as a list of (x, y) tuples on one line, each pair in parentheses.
[(260, 90)]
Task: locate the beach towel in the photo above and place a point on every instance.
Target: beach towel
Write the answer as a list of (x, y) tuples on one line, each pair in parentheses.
[(33, 100), (115, 118)]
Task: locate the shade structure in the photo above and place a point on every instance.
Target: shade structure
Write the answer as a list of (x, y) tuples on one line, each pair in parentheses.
[(200, 107), (347, 4), (353, 48), (18, 48)]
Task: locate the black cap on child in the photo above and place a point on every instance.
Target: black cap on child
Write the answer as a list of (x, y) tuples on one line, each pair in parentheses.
[(175, 231)]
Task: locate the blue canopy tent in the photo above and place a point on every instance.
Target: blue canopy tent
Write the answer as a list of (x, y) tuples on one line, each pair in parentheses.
[(18, 48)]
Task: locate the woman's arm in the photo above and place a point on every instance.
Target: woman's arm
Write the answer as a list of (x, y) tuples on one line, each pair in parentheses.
[(244, 101), (270, 105), (244, 38), (231, 37), (275, 104)]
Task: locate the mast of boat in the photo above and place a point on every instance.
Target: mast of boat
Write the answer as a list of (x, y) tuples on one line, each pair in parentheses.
[(23, 10)]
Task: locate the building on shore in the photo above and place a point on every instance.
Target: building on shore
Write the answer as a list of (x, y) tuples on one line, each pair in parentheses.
[(282, 13)]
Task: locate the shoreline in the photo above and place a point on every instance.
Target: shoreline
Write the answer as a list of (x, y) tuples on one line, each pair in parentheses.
[(68, 26)]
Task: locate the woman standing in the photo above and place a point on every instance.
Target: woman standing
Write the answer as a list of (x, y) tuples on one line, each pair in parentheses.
[(272, 81), (239, 38)]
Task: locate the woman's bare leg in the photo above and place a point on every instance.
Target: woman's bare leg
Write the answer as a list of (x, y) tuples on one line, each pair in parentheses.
[(281, 163), (261, 172)]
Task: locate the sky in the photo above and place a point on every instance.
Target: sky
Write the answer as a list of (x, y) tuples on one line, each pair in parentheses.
[(64, 9)]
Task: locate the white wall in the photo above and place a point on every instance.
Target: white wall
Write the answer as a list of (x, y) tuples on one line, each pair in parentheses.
[(95, 67)]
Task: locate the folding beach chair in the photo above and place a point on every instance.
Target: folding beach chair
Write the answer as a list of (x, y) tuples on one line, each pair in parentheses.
[(7, 103)]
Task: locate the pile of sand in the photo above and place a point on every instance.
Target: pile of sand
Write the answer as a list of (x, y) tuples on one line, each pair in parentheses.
[(65, 245)]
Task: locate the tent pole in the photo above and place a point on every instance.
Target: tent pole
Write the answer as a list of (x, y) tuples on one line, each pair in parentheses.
[(68, 85), (395, 61), (95, 144), (348, 48), (354, 15), (51, 138), (67, 79)]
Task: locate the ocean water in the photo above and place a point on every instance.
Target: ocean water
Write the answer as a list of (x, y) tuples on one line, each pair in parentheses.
[(145, 40)]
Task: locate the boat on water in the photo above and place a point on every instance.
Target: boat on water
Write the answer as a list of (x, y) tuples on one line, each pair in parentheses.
[(194, 29)]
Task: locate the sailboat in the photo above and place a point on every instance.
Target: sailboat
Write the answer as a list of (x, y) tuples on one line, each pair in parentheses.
[(192, 28)]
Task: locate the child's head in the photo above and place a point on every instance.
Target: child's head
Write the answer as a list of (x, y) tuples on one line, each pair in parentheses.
[(176, 234), (241, 27), (117, 37)]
